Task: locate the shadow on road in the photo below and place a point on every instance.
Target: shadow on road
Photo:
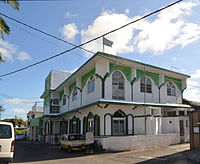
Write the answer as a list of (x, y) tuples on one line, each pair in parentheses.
[(27, 151), (184, 157)]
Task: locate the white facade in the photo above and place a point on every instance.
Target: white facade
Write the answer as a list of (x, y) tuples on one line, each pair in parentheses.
[(119, 97)]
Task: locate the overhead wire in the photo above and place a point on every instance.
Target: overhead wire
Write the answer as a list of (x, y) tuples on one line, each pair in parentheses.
[(45, 33), (51, 43), (89, 41)]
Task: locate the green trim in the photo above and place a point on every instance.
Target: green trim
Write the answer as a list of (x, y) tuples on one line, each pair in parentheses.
[(85, 77), (84, 125), (137, 62), (132, 82), (71, 87), (47, 97), (118, 103), (97, 118), (126, 118), (126, 70), (178, 82), (153, 76), (120, 58), (61, 94), (103, 79)]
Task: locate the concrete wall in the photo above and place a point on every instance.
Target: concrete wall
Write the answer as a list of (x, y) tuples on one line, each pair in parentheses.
[(139, 142), (101, 68), (170, 125), (57, 77), (164, 98), (145, 97)]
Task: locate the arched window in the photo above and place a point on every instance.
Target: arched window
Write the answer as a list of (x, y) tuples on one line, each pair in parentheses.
[(118, 91), (91, 84), (145, 85), (74, 126), (55, 101), (64, 99), (74, 94), (90, 123), (119, 123), (64, 127), (171, 89)]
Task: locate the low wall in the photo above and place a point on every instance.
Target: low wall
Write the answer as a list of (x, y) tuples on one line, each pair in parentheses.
[(139, 141)]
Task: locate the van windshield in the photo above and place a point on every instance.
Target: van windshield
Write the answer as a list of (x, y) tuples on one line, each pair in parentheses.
[(5, 131)]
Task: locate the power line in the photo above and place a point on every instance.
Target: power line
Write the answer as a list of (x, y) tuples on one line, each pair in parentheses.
[(40, 0), (45, 33), (96, 38), (36, 36)]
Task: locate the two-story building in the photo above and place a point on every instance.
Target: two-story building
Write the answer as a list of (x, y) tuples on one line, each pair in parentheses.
[(34, 121), (125, 103)]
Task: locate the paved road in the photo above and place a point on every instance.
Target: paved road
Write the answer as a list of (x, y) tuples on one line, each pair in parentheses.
[(30, 152)]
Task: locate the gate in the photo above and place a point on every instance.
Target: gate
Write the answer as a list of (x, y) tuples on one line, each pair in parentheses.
[(194, 130)]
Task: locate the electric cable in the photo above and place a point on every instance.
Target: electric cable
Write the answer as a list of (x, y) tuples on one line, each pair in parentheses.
[(89, 41)]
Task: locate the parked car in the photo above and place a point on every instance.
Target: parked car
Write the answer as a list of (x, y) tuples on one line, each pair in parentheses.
[(20, 136), (73, 142), (7, 138)]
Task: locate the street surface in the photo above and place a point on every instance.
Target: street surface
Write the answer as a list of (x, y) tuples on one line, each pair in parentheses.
[(33, 152)]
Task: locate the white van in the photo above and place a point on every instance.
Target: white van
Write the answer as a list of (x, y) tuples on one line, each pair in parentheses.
[(7, 138)]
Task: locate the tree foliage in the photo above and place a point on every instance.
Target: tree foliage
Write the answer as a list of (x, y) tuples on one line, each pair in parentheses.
[(4, 28), (16, 122)]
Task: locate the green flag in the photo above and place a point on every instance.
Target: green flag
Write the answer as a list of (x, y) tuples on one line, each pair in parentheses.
[(107, 42)]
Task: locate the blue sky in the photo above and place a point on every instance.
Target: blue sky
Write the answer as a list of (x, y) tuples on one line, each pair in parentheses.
[(169, 39)]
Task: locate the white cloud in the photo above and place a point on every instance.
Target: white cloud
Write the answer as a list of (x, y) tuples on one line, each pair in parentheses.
[(8, 52), (23, 56), (196, 75), (193, 91), (166, 30), (174, 58), (19, 111), (69, 31), (170, 28), (20, 101), (69, 15), (127, 11), (105, 22)]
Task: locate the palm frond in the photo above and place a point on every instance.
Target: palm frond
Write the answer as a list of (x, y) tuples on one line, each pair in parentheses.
[(13, 3), (1, 59), (4, 28)]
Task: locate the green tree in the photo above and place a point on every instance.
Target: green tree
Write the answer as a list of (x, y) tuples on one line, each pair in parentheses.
[(16, 122), (4, 28)]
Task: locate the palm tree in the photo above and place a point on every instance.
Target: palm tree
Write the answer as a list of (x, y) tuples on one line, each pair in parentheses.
[(4, 28)]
